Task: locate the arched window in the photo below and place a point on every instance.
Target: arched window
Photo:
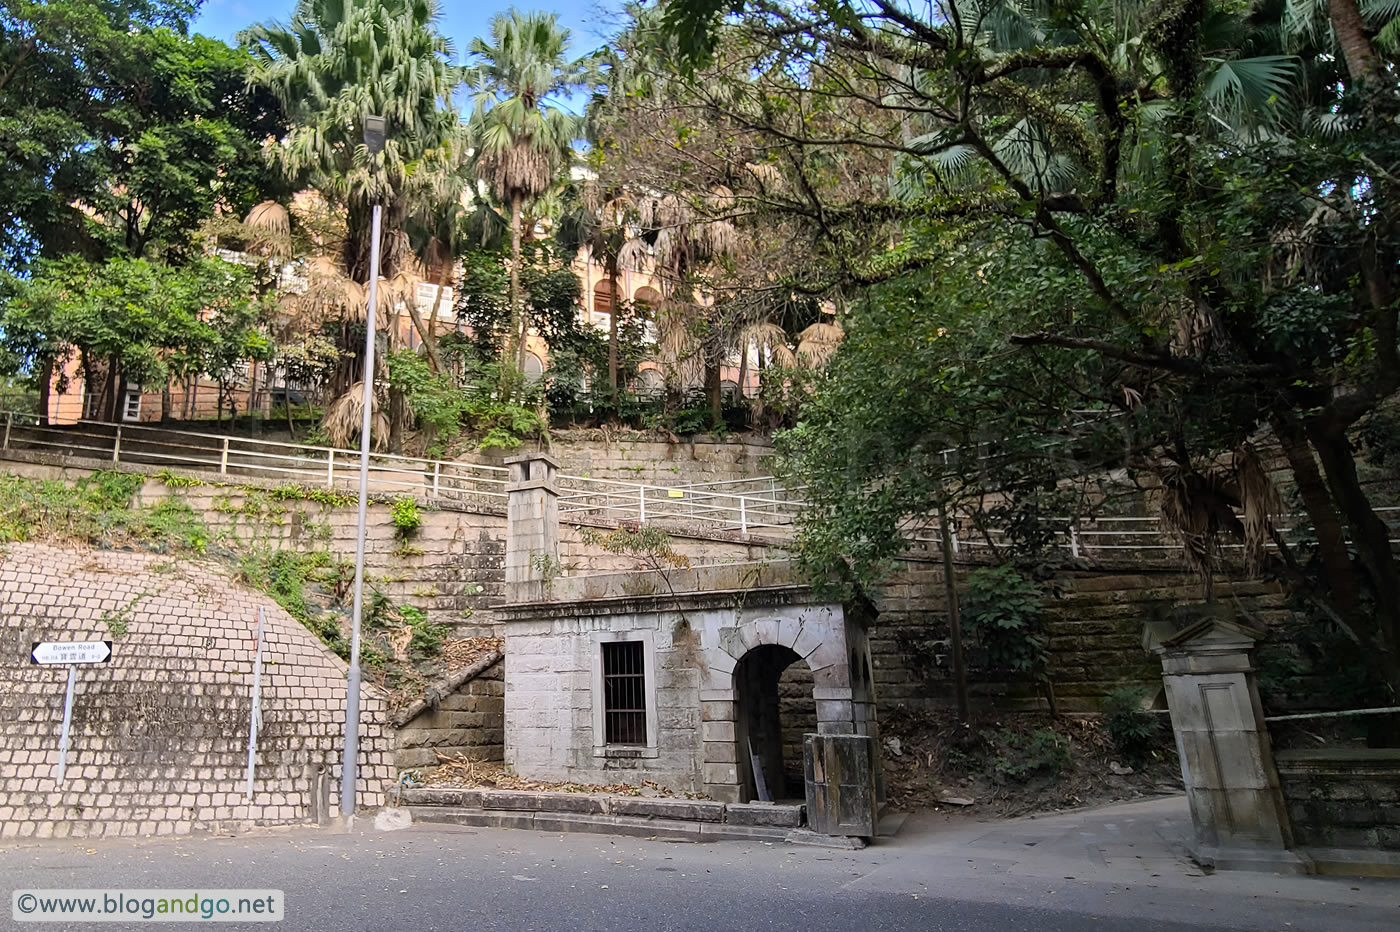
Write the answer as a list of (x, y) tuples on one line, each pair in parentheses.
[(534, 368), (649, 383), (602, 298), (647, 300)]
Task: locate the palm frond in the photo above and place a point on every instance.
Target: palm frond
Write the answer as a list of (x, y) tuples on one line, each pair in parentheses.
[(819, 342)]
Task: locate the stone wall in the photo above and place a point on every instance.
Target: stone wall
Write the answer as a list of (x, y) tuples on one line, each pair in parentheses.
[(1095, 626), (638, 458), (159, 735), (469, 723), (693, 645), (458, 579), (452, 567), (1343, 797)]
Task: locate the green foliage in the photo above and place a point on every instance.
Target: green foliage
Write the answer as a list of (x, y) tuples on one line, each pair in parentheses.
[(286, 575), (145, 321), (173, 525), (383, 621), (119, 621), (1021, 757), (448, 407), (110, 105), (330, 68), (172, 481), (1136, 732), (647, 541), (1002, 610), (407, 519)]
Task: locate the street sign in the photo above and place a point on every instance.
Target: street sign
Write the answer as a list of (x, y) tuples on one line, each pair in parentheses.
[(61, 652)]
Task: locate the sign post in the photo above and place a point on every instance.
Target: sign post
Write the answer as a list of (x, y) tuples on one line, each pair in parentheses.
[(255, 717), (69, 653)]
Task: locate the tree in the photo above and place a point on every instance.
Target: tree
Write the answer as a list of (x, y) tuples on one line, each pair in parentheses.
[(1081, 242), (601, 220), (120, 133), (523, 139), (129, 321), (338, 62)]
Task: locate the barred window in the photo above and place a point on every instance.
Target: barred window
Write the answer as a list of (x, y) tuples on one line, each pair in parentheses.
[(624, 693)]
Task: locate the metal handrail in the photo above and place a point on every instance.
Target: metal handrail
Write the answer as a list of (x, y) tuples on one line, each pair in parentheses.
[(694, 504)]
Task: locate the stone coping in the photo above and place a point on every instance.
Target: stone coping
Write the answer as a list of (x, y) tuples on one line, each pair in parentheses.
[(1338, 756), (442, 687), (679, 602), (757, 574), (547, 804)]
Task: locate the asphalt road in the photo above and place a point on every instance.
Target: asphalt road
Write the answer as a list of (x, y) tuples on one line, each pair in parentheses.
[(430, 878)]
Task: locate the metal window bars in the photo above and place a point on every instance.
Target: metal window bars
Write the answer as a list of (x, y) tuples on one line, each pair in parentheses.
[(624, 693)]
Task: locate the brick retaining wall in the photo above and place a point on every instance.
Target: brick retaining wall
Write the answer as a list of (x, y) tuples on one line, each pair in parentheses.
[(159, 735)]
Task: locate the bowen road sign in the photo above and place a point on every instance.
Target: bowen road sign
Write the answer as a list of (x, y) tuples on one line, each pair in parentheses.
[(61, 652)]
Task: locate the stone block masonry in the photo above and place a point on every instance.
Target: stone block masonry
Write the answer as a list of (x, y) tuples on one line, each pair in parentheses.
[(470, 723), (159, 735), (1347, 798)]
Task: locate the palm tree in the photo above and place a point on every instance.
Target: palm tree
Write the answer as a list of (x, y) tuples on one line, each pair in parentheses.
[(336, 63), (445, 217), (523, 140), (601, 219)]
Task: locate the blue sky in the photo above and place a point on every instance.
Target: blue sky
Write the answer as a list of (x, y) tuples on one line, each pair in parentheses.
[(590, 21)]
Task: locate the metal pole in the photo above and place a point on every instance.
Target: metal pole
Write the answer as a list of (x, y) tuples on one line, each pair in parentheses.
[(743, 516), (9, 419), (642, 504), (255, 717), (117, 445), (950, 589), (67, 720), (352, 679), (223, 458), (330, 470)]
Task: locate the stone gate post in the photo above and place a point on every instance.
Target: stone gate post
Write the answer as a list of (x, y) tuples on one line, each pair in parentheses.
[(1226, 760), (532, 524)]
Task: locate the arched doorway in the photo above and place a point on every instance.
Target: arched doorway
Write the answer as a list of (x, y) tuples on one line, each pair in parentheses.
[(774, 708)]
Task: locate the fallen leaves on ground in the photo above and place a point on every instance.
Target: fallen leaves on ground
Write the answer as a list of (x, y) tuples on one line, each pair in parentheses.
[(464, 652), (940, 759), (470, 774)]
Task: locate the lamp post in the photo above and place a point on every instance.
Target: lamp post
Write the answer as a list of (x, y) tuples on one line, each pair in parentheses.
[(374, 142)]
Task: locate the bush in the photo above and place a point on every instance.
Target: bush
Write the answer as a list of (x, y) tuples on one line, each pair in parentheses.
[(1042, 753), (1002, 611), (1136, 732), (407, 518)]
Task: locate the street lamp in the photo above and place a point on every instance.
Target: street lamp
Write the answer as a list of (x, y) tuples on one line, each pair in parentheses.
[(374, 142)]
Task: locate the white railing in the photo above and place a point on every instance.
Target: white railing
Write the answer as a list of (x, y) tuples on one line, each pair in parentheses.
[(760, 505), (1104, 536), (302, 464)]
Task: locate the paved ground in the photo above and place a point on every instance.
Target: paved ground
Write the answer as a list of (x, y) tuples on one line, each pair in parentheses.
[(1111, 868)]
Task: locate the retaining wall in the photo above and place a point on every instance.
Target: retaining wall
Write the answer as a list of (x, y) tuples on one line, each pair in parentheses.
[(1343, 797), (159, 735)]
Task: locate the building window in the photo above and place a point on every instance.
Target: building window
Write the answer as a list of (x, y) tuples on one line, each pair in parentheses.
[(534, 368), (624, 693), (131, 405)]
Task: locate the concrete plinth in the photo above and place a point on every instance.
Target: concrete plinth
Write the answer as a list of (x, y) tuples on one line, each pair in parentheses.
[(1226, 760)]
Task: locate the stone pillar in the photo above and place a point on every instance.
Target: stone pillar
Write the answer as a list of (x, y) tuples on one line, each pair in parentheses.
[(1226, 760), (532, 525)]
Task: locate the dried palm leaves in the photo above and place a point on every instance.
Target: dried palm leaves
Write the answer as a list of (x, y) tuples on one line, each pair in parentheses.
[(343, 418), (1236, 497)]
